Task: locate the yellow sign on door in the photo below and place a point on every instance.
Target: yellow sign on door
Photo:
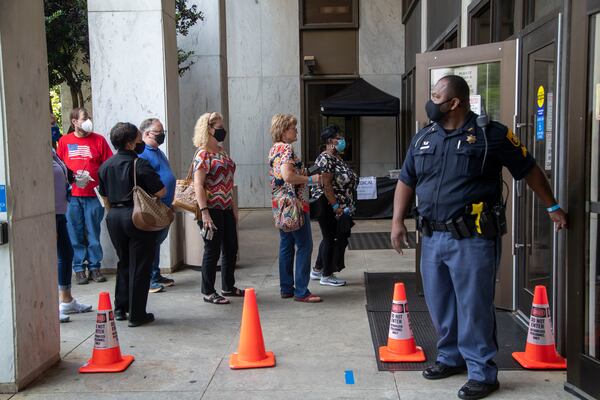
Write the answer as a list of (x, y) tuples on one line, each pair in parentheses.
[(541, 96)]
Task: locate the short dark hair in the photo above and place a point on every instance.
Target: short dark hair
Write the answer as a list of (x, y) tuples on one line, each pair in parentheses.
[(123, 133), (329, 132), (457, 87)]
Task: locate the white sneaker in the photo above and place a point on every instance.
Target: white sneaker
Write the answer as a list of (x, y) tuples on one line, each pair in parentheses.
[(63, 318), (315, 275), (332, 281), (74, 307)]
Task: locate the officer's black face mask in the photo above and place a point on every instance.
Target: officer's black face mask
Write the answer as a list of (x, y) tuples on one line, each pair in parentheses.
[(220, 134), (434, 111)]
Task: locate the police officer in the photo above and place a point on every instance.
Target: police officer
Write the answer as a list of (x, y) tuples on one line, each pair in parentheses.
[(455, 168)]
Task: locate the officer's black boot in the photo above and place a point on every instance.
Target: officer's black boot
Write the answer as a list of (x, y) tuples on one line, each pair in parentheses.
[(440, 371), (477, 390)]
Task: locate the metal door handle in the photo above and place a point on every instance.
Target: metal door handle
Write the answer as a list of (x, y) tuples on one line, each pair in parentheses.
[(523, 124), (521, 245)]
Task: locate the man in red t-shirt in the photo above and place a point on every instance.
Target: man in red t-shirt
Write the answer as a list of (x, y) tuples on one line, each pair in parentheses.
[(83, 151)]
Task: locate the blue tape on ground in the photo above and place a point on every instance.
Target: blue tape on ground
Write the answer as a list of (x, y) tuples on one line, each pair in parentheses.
[(349, 377)]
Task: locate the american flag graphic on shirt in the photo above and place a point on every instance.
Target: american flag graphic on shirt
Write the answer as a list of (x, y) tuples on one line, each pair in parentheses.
[(79, 151)]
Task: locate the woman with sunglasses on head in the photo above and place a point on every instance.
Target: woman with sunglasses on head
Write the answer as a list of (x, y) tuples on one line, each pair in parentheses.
[(213, 184)]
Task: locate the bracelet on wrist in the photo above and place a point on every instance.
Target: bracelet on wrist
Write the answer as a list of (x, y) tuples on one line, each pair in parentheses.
[(555, 207), (203, 209), (335, 206)]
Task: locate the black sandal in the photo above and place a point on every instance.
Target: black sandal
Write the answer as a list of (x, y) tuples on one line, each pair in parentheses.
[(216, 299), (234, 293)]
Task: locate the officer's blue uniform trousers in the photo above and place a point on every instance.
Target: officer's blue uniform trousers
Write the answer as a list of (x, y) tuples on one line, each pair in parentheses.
[(459, 281)]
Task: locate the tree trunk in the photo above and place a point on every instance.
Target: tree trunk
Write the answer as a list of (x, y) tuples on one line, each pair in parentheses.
[(74, 95)]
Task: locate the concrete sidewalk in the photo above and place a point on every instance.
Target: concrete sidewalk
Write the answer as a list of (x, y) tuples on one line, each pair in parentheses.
[(184, 354)]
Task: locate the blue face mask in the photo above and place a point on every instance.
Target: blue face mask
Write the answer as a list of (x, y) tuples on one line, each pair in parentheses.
[(341, 145)]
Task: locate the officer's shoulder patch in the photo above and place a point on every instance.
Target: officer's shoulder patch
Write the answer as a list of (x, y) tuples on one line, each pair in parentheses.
[(510, 135)]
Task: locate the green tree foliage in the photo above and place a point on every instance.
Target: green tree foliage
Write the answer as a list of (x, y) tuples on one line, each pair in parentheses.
[(186, 17), (67, 44), (67, 41)]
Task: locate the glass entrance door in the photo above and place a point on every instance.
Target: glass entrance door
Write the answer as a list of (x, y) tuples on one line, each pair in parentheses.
[(536, 126), (490, 72)]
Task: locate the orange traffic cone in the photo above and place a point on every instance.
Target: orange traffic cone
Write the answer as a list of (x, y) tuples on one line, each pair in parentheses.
[(251, 351), (106, 356), (401, 345), (540, 352)]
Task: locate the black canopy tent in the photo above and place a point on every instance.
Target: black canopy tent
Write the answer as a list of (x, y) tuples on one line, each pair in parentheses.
[(361, 99)]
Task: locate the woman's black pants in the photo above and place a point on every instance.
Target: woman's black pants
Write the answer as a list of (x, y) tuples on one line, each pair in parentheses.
[(224, 241), (135, 249), (333, 245)]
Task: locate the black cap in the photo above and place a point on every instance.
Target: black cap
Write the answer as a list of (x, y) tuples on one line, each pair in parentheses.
[(329, 132)]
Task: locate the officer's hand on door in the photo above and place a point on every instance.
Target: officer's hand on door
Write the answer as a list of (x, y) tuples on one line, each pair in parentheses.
[(398, 236), (560, 219)]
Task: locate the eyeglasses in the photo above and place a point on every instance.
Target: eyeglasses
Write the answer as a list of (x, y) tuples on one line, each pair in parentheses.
[(158, 132)]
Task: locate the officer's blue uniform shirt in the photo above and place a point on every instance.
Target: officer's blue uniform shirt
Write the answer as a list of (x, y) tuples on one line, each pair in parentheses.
[(160, 163), (445, 168)]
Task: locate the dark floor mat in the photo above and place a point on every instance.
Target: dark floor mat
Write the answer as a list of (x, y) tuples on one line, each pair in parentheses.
[(376, 241), (511, 334), (380, 290)]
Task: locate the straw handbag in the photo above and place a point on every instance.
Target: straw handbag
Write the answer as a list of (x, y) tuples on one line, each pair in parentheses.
[(185, 195), (149, 212)]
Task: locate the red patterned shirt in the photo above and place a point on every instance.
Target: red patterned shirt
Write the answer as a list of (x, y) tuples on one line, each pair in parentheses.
[(219, 168)]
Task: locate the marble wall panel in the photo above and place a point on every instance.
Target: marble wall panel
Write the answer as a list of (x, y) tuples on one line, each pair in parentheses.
[(279, 38), (247, 135), (199, 92), (243, 38), (132, 5), (204, 37), (127, 72), (381, 37), (251, 181), (280, 95)]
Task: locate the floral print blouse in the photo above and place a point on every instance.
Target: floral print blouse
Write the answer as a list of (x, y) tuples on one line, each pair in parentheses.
[(280, 154), (344, 181)]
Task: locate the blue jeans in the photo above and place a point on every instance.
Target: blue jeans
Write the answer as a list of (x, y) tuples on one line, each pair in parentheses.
[(162, 235), (64, 251), (459, 283), (84, 216), (302, 240)]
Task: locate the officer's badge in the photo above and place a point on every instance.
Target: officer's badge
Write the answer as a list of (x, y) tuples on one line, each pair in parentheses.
[(513, 138), (471, 139)]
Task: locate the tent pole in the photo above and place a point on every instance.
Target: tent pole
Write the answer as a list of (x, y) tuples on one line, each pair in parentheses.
[(397, 142)]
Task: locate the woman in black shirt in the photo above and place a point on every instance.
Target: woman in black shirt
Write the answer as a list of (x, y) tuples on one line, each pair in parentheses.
[(135, 248)]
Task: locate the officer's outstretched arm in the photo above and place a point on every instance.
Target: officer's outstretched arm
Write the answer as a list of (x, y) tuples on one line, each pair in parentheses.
[(402, 199), (537, 181)]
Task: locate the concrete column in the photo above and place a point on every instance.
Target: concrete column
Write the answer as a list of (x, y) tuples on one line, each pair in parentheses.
[(133, 64), (381, 63), (263, 79), (29, 331)]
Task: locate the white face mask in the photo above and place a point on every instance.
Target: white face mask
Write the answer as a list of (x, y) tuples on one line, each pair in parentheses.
[(87, 125)]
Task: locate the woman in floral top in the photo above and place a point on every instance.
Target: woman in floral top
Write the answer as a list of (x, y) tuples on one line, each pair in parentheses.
[(336, 205), (213, 184), (288, 176)]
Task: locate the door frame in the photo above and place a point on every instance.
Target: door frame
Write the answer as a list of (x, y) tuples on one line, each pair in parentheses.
[(506, 54), (553, 36), (582, 371)]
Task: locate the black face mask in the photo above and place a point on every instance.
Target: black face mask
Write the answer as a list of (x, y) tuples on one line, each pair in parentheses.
[(140, 147), (220, 134), (160, 138), (434, 112)]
